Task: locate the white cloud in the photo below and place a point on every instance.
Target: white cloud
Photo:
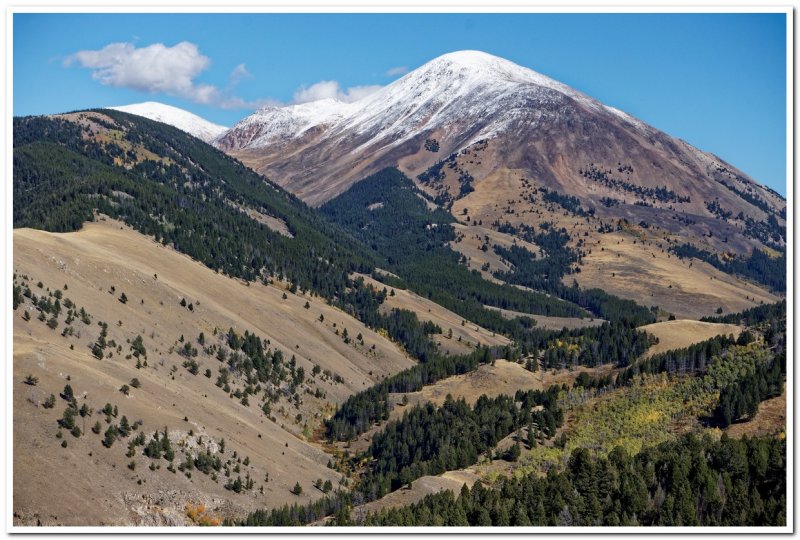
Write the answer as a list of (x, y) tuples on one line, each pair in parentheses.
[(332, 90), (399, 70), (354, 93), (157, 68), (238, 74)]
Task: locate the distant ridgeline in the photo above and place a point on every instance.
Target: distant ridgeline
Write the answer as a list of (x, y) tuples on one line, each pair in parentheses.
[(170, 185)]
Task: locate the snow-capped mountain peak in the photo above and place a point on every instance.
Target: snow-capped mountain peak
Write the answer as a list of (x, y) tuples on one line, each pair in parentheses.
[(440, 93), (456, 99), (179, 118)]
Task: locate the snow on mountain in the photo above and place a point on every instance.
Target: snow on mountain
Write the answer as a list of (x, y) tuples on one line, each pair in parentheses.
[(523, 120), (179, 118), (280, 122), (441, 93)]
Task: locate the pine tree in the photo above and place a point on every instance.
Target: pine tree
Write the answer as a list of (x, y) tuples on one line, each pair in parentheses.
[(531, 437), (50, 402), (124, 426), (110, 436), (68, 419)]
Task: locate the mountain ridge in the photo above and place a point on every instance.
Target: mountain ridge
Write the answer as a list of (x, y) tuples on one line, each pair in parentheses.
[(176, 117), (317, 149)]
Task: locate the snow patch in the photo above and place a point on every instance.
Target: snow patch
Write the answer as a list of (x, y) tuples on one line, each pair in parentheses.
[(173, 116), (447, 93)]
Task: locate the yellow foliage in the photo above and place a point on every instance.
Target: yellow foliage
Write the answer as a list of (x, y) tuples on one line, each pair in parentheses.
[(651, 416), (197, 514)]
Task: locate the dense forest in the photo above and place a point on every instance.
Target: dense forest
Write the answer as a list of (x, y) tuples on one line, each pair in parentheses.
[(430, 440), (742, 397), (688, 482), (184, 196), (753, 316), (682, 361), (694, 481)]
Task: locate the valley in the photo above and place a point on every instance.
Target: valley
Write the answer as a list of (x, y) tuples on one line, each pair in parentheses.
[(473, 296)]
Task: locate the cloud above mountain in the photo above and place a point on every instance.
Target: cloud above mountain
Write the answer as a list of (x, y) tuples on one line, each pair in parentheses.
[(158, 68), (395, 71), (173, 71), (333, 90)]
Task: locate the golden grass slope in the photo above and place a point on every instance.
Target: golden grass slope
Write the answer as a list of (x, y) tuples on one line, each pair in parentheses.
[(683, 333), (631, 263), (465, 337), (87, 484)]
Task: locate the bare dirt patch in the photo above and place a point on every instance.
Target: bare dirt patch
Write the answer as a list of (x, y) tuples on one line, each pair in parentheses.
[(688, 289), (420, 488), (551, 323), (276, 224), (769, 420)]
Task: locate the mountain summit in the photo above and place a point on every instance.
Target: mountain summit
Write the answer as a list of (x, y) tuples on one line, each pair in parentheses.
[(441, 92), (179, 118), (531, 122), (508, 150)]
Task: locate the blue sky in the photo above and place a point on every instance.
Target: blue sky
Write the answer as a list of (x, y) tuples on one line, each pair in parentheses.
[(717, 81)]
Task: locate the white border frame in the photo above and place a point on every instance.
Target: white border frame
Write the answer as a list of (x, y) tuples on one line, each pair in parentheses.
[(410, 6)]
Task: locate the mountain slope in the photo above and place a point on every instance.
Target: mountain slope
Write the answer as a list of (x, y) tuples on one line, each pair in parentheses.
[(178, 189), (458, 99), (95, 484), (506, 149), (183, 120)]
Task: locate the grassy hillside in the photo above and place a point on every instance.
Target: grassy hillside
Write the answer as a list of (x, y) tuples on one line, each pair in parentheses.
[(167, 184), (214, 359)]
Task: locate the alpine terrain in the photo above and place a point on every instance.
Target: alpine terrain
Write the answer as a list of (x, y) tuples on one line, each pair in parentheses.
[(499, 144), (183, 120), (475, 296)]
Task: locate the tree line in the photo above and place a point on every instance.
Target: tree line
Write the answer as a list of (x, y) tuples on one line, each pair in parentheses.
[(430, 440), (691, 482), (759, 266)]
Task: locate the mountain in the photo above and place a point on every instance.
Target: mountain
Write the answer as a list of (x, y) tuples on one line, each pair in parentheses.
[(179, 118), (507, 151), (530, 122), (193, 344)]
